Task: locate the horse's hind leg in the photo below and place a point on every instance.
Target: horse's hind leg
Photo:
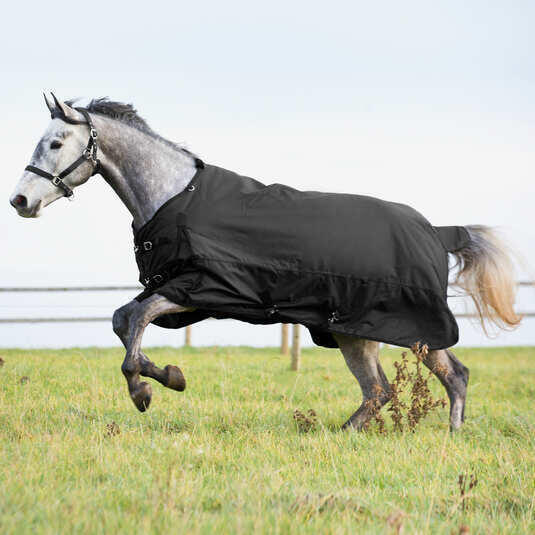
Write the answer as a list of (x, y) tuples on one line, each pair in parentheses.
[(362, 358), (454, 376), (129, 323)]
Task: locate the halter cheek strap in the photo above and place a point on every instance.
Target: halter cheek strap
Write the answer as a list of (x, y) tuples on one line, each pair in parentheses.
[(88, 155)]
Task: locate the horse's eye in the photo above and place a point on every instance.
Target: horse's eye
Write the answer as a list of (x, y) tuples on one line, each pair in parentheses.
[(56, 145)]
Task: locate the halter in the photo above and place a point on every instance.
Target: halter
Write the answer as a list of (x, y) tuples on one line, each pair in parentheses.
[(88, 155)]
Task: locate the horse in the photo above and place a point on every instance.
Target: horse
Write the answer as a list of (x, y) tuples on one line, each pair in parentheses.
[(147, 172)]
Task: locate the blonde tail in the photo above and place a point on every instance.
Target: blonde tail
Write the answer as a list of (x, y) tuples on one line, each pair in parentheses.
[(486, 274)]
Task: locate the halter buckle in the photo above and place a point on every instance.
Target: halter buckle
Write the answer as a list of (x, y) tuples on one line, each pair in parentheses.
[(89, 154), (147, 245)]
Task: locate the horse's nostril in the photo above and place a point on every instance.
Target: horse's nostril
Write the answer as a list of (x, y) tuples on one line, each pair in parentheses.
[(19, 201)]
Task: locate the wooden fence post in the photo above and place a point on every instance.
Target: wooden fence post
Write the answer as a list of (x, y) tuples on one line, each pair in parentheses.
[(284, 339), (296, 348), (187, 336)]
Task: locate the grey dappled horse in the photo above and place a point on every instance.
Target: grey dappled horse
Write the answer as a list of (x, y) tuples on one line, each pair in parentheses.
[(145, 170)]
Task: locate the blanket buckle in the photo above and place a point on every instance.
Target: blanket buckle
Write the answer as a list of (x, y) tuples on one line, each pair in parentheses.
[(334, 317)]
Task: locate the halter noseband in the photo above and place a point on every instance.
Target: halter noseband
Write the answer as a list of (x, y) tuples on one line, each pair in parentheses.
[(88, 155)]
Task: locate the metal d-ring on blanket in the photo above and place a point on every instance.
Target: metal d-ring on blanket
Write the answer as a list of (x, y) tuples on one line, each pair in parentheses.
[(334, 317), (89, 154)]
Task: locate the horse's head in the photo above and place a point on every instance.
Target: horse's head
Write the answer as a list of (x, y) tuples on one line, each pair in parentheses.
[(62, 160)]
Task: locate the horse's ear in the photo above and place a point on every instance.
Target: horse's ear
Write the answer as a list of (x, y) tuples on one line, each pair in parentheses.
[(49, 104), (66, 110)]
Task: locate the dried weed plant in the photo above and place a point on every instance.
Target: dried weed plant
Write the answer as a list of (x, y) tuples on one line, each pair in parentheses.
[(305, 422), (112, 430), (411, 399)]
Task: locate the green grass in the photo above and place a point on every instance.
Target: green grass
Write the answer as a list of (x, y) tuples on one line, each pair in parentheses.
[(225, 456)]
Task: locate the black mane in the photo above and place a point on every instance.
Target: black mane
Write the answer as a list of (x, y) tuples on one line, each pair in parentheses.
[(127, 114)]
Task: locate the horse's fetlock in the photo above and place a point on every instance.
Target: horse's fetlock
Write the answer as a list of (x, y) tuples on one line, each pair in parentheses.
[(130, 367)]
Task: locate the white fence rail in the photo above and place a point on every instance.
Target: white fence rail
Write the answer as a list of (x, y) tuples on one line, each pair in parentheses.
[(138, 288), (295, 348)]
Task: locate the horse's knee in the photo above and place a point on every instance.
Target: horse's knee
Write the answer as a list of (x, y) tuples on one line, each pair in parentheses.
[(120, 321)]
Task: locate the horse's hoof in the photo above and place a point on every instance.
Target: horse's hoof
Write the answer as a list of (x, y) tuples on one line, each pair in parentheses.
[(174, 378), (349, 426), (355, 424), (142, 396)]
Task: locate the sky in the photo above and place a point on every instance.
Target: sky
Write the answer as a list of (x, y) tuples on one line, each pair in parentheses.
[(426, 103)]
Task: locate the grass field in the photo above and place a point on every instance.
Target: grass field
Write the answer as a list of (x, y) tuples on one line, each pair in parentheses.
[(226, 456)]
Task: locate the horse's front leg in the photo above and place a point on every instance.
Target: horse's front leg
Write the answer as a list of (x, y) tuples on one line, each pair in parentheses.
[(129, 323)]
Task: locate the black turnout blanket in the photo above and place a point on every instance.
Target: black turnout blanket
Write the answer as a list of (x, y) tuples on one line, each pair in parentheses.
[(233, 247)]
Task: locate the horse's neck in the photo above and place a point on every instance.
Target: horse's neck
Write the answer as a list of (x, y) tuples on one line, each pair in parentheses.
[(144, 172)]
